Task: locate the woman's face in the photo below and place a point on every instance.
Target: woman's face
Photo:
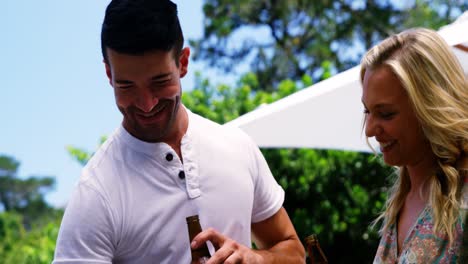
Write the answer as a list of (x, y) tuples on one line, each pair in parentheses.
[(390, 118)]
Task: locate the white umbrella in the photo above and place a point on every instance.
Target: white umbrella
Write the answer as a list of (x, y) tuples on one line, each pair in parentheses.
[(327, 115)]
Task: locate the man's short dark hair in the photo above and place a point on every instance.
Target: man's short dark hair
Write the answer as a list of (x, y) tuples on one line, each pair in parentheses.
[(137, 26)]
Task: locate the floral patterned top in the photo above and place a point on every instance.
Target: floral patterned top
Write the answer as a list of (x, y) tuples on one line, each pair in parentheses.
[(422, 245)]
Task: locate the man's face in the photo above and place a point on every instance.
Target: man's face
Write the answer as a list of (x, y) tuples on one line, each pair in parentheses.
[(147, 91), (390, 118)]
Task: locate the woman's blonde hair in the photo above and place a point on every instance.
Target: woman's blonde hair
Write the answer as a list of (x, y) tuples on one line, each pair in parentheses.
[(438, 91)]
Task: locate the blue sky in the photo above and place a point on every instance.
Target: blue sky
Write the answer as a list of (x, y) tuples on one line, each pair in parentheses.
[(54, 91)]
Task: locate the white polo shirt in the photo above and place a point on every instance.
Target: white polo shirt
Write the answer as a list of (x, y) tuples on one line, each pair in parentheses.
[(133, 197)]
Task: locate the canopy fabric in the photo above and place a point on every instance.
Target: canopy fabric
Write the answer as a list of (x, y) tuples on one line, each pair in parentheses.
[(329, 114)]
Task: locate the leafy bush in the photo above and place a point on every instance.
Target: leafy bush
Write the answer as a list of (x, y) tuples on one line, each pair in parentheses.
[(20, 246), (334, 194)]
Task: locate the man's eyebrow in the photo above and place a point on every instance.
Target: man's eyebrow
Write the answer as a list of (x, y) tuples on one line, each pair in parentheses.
[(160, 76), (123, 82), (154, 78)]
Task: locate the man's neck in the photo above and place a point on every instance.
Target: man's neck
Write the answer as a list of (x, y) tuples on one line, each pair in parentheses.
[(179, 129)]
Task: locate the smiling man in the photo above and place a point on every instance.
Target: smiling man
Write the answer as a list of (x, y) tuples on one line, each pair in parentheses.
[(165, 163), (148, 93)]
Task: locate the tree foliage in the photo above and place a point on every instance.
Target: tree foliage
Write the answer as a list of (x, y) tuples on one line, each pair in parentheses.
[(28, 225), (289, 38), (23, 195), (334, 194), (81, 155), (21, 246)]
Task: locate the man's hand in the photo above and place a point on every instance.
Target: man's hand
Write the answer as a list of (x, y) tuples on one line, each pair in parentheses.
[(227, 250), (275, 238)]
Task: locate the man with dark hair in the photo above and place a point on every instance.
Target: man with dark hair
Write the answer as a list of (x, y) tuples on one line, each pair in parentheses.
[(165, 163)]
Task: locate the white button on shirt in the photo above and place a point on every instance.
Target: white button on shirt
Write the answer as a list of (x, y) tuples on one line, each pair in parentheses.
[(131, 201)]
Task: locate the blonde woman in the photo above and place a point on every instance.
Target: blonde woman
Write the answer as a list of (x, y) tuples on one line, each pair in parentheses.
[(415, 97)]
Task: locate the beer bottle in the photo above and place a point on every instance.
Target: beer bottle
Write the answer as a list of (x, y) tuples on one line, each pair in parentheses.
[(316, 255), (201, 254)]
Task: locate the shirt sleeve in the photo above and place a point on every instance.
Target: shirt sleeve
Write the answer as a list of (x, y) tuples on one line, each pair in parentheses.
[(269, 195), (86, 231)]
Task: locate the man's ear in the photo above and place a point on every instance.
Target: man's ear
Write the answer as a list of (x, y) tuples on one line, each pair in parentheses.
[(184, 61), (108, 72)]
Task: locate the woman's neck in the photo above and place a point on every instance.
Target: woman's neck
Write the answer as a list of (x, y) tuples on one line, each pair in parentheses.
[(419, 174)]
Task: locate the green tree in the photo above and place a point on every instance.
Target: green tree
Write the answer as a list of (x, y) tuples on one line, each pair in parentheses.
[(81, 155), (28, 225), (23, 195), (33, 246), (289, 38)]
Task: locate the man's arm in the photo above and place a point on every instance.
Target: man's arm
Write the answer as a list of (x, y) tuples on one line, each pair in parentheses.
[(275, 237), (85, 232)]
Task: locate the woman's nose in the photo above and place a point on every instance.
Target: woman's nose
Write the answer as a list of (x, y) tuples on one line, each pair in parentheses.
[(370, 128)]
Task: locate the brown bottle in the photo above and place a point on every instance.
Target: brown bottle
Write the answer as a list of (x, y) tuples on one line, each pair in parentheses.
[(316, 255), (201, 254)]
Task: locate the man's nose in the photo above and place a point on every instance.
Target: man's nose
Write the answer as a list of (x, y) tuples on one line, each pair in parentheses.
[(146, 101)]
